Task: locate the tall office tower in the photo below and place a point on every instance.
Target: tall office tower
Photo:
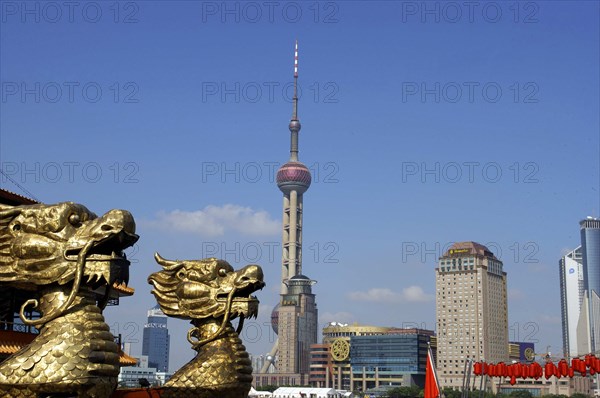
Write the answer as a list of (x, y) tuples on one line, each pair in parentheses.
[(471, 310), (297, 317), (571, 296), (156, 340), (590, 250)]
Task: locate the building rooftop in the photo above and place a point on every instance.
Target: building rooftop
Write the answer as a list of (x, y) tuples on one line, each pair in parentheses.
[(468, 248)]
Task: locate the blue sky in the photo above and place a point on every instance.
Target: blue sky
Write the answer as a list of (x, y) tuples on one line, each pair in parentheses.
[(423, 124)]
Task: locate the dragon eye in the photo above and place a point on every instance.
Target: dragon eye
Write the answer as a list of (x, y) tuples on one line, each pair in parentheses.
[(74, 219), (222, 272), (16, 227)]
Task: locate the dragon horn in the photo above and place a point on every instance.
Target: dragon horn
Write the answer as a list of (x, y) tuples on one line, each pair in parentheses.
[(164, 262)]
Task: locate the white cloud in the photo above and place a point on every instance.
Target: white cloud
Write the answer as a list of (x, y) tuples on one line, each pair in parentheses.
[(218, 220), (409, 294), (342, 317)]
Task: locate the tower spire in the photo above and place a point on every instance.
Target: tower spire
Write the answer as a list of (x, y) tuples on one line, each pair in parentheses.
[(294, 122)]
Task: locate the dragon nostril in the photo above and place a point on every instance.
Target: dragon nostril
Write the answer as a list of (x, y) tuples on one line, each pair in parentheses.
[(107, 227)]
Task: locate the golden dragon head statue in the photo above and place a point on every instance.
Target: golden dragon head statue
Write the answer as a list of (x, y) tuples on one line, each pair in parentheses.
[(207, 289), (57, 244)]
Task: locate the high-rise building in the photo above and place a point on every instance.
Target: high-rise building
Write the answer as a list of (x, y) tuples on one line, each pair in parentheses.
[(295, 318), (590, 250), (571, 296), (471, 310), (156, 340)]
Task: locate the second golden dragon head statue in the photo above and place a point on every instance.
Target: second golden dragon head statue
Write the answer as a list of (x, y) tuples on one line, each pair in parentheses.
[(206, 289)]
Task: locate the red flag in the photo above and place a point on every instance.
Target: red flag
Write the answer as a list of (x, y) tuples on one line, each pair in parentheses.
[(432, 387)]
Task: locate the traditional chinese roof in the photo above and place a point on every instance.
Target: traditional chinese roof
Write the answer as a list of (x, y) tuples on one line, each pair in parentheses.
[(14, 199), (11, 342)]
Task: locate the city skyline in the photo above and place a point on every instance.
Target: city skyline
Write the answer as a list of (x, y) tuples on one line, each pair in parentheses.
[(189, 130)]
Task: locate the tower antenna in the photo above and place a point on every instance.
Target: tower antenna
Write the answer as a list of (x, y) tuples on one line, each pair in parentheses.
[(295, 99), (294, 122)]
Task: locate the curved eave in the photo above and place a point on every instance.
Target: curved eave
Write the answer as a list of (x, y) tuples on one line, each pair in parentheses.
[(123, 290), (126, 360)]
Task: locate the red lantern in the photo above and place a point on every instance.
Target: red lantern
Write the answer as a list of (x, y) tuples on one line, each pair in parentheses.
[(579, 366), (571, 372), (596, 364), (477, 368), (486, 368), (536, 370), (563, 368), (549, 370), (503, 369), (513, 380), (525, 371), (510, 370), (516, 369)]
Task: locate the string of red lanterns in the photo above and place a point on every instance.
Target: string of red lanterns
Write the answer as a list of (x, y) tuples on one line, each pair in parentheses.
[(534, 370)]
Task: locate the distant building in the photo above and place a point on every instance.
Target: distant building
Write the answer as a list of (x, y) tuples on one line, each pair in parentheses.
[(565, 386), (572, 290), (258, 362), (287, 392), (471, 310), (590, 248), (321, 366), (360, 358), (397, 358), (330, 362), (130, 376), (156, 340)]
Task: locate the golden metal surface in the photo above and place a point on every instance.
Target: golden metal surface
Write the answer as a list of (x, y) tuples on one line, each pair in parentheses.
[(61, 254), (210, 294), (340, 350)]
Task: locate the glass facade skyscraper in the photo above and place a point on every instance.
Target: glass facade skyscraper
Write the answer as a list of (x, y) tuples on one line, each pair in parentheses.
[(156, 340), (572, 290), (590, 247)]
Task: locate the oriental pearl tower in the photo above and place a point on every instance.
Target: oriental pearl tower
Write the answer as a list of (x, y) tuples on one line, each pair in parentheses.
[(293, 179), (295, 318)]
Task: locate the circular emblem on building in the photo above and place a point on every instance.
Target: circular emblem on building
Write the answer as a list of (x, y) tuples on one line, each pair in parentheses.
[(529, 354), (340, 350)]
